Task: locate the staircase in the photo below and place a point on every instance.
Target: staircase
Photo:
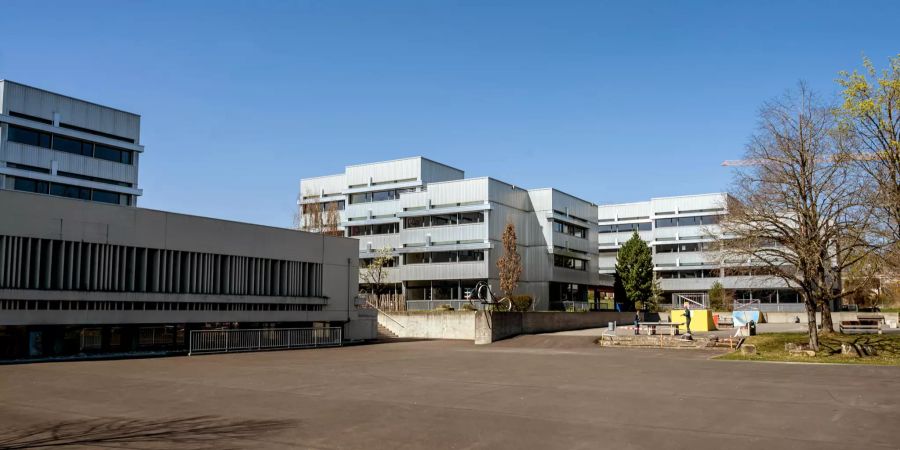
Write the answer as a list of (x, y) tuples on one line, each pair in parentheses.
[(385, 333)]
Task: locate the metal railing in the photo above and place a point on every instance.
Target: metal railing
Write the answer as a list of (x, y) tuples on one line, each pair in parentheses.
[(573, 306), (428, 305), (698, 300), (228, 341), (746, 304)]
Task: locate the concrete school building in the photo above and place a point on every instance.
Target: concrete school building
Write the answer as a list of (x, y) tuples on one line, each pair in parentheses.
[(82, 269), (445, 231)]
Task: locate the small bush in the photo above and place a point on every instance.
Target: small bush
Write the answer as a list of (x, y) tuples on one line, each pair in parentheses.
[(467, 307), (522, 303), (445, 307)]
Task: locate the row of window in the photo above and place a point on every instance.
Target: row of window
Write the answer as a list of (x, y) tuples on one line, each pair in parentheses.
[(681, 248), (67, 174), (444, 219), (366, 262), (368, 230), (439, 289), (83, 305), (378, 196), (567, 228), (676, 274), (625, 227), (71, 127), (65, 144), (323, 206), (67, 190), (443, 257), (569, 263), (687, 221)]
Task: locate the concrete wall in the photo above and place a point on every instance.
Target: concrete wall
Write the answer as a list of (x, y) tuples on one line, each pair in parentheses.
[(490, 327), (430, 324)]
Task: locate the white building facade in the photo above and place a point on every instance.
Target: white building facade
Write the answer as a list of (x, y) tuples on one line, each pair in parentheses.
[(58, 145), (680, 231), (445, 231)]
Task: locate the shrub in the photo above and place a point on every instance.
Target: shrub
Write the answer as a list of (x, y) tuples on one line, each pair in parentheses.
[(467, 307), (445, 307), (522, 303)]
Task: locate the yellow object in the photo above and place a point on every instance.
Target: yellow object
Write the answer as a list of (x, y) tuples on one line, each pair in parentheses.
[(701, 319)]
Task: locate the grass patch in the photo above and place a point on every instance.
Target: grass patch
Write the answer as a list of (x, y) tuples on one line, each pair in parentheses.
[(770, 347)]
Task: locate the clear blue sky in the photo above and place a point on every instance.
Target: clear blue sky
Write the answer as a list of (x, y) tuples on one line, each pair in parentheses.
[(609, 101)]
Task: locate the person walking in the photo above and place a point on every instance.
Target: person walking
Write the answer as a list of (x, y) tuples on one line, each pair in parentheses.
[(687, 317)]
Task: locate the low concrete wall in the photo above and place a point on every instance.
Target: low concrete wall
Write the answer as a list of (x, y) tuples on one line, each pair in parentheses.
[(836, 317), (490, 327), (430, 324)]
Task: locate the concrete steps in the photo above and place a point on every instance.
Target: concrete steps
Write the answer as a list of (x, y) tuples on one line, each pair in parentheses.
[(385, 333)]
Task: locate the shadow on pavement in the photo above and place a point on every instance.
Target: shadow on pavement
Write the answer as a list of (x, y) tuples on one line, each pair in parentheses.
[(180, 432)]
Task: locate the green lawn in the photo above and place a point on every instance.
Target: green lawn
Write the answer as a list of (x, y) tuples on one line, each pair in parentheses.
[(770, 347)]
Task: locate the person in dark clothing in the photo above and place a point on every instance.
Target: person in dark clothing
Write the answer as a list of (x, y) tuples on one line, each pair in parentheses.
[(687, 317)]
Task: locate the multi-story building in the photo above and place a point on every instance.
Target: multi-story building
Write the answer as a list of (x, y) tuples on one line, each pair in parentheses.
[(680, 231), (84, 270), (445, 230), (58, 145)]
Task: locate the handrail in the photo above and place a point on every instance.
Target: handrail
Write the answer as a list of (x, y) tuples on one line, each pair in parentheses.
[(376, 308)]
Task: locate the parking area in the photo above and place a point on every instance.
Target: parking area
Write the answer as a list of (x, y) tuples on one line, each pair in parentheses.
[(530, 392)]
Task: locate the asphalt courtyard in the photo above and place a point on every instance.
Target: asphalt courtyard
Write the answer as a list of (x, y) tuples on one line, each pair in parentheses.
[(535, 392)]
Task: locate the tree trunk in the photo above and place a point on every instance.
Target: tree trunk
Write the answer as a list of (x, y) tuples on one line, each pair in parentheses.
[(827, 324), (813, 332)]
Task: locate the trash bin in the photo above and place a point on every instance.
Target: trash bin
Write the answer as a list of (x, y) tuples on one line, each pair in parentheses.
[(751, 328)]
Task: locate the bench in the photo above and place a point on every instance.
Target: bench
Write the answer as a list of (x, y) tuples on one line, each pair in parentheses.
[(651, 327), (860, 326), (725, 321), (876, 318)]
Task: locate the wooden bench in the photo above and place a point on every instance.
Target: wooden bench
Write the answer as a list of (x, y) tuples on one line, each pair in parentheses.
[(876, 318), (651, 327), (860, 326), (725, 322)]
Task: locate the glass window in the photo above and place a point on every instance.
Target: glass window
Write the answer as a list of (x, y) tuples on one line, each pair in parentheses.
[(443, 219), (385, 228), (65, 190), (105, 197), (471, 217), (87, 149), (67, 145), (380, 196), (689, 247), (667, 248), (580, 232), (416, 222), (662, 223), (418, 290), (444, 290), (28, 137), (711, 273), (111, 154), (626, 228), (667, 274), (709, 220), (688, 221), (645, 226), (361, 197), (443, 257), (607, 229), (558, 227), (471, 255), (28, 185), (415, 258)]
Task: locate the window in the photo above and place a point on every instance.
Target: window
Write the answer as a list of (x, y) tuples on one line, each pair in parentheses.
[(366, 230), (607, 229), (28, 168), (667, 248), (645, 226), (361, 197), (105, 197), (443, 257), (27, 185), (688, 221), (689, 247), (98, 133), (29, 137), (416, 258), (570, 229), (569, 262), (97, 179), (112, 154), (712, 273), (663, 223), (416, 222), (471, 255), (64, 144), (65, 190), (443, 219), (709, 220), (471, 217)]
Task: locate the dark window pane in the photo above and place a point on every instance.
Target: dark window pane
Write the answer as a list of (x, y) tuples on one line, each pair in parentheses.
[(416, 258), (607, 229), (667, 248), (87, 149), (662, 223), (443, 257), (358, 198), (108, 153), (105, 197), (471, 217), (688, 221), (644, 226), (471, 255), (380, 196), (709, 220), (126, 159), (28, 137), (67, 145), (416, 222)]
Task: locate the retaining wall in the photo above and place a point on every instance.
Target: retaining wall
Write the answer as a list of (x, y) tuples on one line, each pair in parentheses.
[(490, 327), (430, 324)]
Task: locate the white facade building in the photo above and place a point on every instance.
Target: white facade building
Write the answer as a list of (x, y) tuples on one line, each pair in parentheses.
[(58, 145), (679, 231), (445, 230)]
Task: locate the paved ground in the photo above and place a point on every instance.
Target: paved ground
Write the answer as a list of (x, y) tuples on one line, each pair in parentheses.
[(530, 392)]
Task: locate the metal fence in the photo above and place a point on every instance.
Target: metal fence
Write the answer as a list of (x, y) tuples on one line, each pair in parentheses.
[(428, 305), (227, 341)]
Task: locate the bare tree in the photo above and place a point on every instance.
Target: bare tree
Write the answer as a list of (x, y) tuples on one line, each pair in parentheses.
[(509, 264), (311, 218), (332, 224), (375, 274), (799, 212), (870, 114)]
